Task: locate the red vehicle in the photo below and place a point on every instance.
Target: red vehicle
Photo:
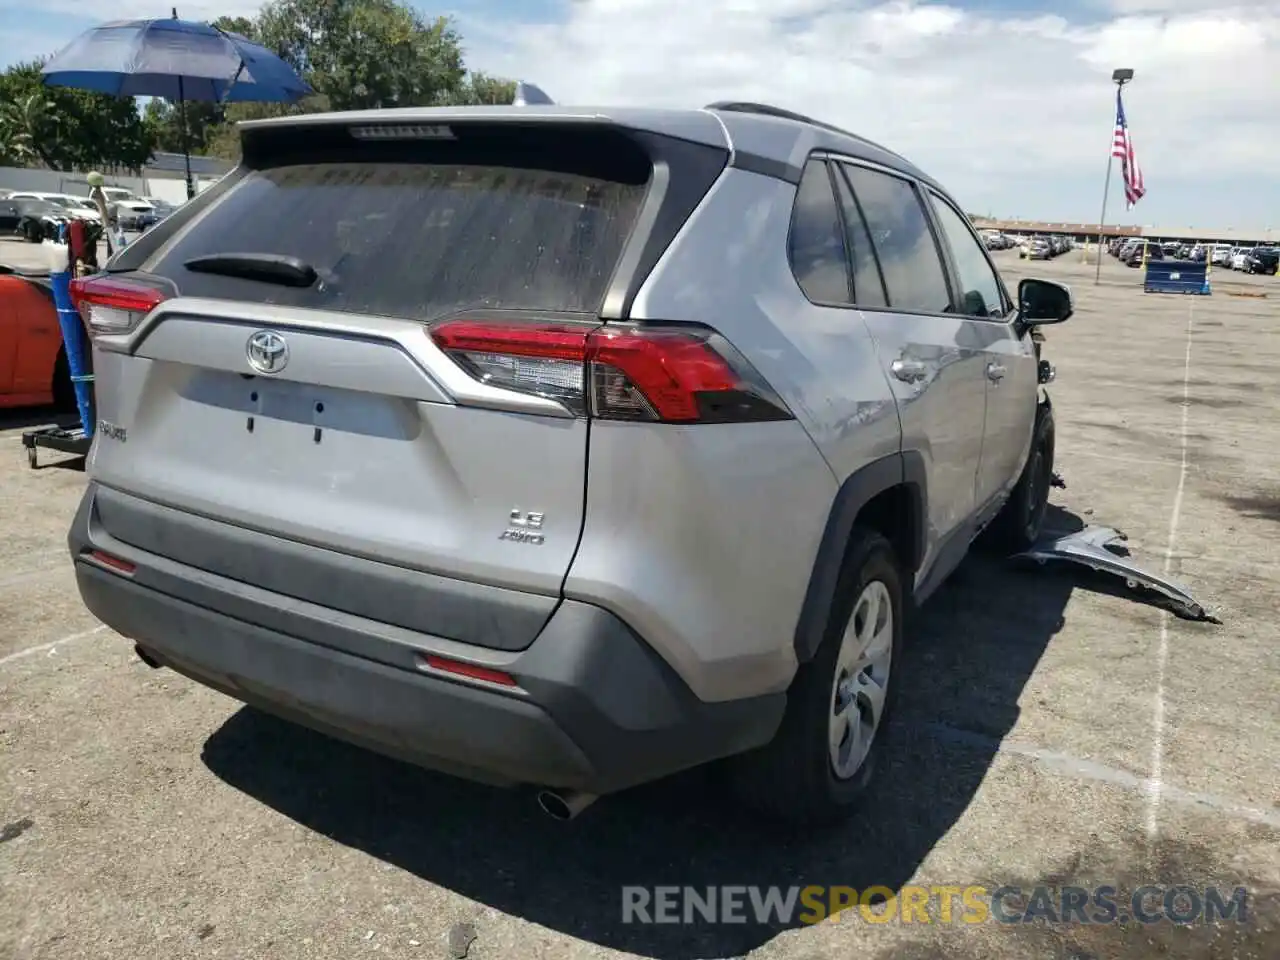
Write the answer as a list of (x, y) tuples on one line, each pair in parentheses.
[(33, 362)]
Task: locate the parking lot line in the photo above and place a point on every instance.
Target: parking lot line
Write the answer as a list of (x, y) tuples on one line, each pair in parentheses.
[(1072, 766), (1155, 783), (32, 651)]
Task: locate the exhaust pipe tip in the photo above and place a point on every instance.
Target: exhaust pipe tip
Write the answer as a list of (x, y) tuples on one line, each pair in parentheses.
[(564, 806), (146, 657)]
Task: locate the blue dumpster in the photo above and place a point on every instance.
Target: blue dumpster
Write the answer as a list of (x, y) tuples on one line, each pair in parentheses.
[(1177, 276)]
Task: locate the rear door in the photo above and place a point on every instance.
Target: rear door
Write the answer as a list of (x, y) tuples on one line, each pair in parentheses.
[(1010, 365), (933, 357), (292, 384)]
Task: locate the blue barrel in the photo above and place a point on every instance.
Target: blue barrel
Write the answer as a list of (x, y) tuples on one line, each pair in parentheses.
[(73, 336), (1176, 276)]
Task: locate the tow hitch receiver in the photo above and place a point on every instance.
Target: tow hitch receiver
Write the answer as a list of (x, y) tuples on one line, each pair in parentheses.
[(1099, 548)]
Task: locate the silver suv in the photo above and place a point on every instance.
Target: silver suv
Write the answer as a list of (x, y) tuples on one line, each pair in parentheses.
[(557, 447)]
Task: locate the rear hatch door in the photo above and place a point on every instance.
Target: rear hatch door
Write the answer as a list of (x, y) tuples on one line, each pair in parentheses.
[(290, 389)]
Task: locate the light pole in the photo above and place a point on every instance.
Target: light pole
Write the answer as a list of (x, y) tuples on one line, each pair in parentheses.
[(1119, 77)]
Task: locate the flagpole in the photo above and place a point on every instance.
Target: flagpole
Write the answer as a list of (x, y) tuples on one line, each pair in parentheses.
[(1119, 77), (1102, 219)]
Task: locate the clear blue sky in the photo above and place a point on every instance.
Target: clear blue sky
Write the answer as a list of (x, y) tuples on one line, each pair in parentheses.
[(1008, 102)]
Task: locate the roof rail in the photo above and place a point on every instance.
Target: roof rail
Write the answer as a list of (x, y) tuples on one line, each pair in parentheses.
[(763, 109), (766, 110)]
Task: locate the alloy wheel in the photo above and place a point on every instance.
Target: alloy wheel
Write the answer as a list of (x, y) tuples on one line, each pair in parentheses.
[(861, 680)]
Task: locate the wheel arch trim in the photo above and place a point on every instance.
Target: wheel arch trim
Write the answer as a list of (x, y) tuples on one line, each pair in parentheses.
[(904, 469)]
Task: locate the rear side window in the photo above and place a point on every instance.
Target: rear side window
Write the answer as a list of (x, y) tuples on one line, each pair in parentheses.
[(418, 239), (908, 253), (868, 289), (816, 244)]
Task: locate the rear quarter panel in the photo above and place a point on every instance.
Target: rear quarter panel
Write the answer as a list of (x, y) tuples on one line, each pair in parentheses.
[(729, 269), (704, 538)]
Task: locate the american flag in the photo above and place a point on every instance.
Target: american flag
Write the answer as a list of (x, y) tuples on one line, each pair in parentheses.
[(1122, 147)]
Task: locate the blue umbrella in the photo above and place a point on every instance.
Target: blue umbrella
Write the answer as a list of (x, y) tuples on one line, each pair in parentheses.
[(178, 60)]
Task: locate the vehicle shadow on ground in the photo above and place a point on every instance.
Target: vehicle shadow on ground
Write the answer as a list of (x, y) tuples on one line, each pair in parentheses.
[(973, 649), (24, 418)]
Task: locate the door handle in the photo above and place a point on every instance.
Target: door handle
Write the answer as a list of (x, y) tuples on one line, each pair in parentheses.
[(908, 371), (995, 371)]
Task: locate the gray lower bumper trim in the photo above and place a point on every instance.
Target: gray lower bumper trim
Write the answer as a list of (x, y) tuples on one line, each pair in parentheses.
[(595, 708)]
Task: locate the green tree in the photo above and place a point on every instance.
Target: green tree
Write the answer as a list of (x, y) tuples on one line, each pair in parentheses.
[(223, 140), (69, 129), (164, 121), (479, 89), (27, 126), (365, 53), (241, 25)]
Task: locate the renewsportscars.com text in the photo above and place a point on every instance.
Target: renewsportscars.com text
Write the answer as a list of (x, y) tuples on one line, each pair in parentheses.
[(937, 904)]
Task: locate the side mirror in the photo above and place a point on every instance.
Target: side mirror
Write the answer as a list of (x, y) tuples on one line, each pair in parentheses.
[(1042, 301)]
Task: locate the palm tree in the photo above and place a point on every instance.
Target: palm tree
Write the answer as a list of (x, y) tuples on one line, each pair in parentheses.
[(29, 129)]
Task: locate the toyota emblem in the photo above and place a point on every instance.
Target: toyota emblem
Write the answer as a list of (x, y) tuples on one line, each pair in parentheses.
[(267, 352)]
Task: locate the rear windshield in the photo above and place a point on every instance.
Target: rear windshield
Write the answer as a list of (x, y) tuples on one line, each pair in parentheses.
[(418, 240)]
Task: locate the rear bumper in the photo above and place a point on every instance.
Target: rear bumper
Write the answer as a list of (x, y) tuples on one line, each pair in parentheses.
[(594, 709)]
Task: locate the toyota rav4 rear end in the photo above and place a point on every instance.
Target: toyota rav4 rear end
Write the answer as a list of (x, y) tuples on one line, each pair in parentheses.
[(382, 451)]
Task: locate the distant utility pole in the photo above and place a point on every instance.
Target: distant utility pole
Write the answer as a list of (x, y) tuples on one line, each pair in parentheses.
[(1119, 77)]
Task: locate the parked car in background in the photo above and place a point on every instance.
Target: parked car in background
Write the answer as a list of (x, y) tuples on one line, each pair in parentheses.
[(1238, 257), (33, 361), (358, 495), (1126, 248), (81, 208), (1262, 260), (134, 215), (1142, 252), (11, 212), (1221, 254), (162, 208), (1037, 250), (32, 219), (116, 194)]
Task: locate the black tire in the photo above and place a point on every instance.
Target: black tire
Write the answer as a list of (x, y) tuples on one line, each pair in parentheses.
[(791, 778), (31, 232), (1018, 524)]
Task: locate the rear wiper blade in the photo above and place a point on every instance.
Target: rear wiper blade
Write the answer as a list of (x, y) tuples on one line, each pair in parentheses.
[(267, 267)]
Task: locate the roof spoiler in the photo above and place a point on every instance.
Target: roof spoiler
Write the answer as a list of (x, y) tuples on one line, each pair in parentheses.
[(529, 94)]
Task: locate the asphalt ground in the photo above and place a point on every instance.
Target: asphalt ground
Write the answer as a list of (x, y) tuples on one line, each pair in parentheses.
[(1056, 728)]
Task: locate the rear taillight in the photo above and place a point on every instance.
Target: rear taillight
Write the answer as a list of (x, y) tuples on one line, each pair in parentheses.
[(110, 305), (614, 373)]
